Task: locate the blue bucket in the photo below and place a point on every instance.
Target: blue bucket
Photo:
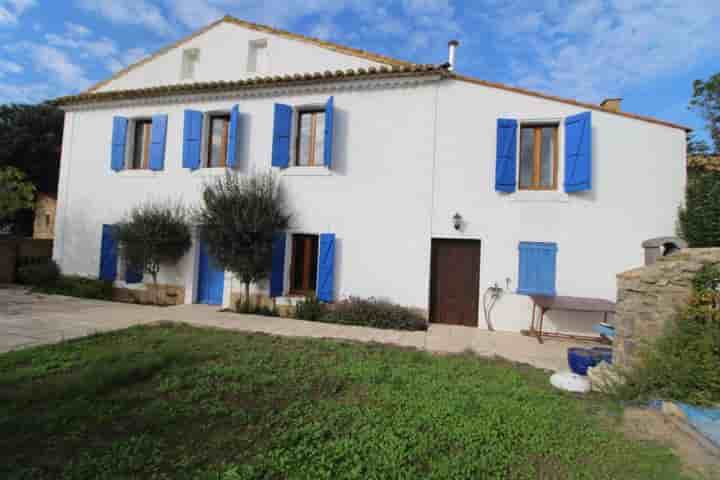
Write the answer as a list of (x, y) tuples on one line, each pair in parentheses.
[(580, 359), (602, 354)]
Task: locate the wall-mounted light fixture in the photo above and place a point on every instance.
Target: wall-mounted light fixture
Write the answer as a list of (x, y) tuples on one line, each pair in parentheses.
[(457, 221)]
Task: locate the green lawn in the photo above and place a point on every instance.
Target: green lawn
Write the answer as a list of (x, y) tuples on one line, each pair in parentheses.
[(181, 402)]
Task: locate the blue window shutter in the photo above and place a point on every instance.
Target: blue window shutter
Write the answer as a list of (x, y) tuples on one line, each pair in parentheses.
[(506, 155), (329, 115), (277, 274), (281, 136), (119, 136), (326, 267), (133, 274), (108, 254), (158, 134), (233, 136), (578, 153), (192, 139), (538, 268)]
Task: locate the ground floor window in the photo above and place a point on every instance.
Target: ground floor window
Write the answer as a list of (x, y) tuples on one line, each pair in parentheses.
[(303, 264)]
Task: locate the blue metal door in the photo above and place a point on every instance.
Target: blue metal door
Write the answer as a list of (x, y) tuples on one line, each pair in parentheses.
[(211, 279)]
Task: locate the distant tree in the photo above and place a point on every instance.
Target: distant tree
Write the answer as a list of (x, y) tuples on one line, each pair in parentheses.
[(706, 101), (154, 234), (16, 193), (699, 219), (237, 221), (697, 146), (31, 140)]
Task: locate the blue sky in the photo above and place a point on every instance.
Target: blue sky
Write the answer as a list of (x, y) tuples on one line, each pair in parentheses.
[(646, 51)]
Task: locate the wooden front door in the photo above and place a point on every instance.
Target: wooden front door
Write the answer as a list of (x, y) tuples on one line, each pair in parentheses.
[(455, 282)]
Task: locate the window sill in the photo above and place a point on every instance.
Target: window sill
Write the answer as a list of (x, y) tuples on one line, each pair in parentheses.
[(210, 171), (306, 172), (540, 196), (139, 173)]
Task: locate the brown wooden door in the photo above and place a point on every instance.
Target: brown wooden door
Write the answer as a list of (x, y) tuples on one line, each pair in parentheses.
[(455, 282)]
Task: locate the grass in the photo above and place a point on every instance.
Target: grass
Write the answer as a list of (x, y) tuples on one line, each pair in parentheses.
[(174, 402)]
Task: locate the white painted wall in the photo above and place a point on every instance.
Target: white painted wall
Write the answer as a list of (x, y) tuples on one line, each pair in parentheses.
[(638, 182), (224, 56), (381, 220), (398, 177)]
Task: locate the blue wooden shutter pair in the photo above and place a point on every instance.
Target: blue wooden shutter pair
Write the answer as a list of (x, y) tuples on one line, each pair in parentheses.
[(325, 270), (506, 155), (108, 254), (282, 129), (537, 268), (578, 153), (158, 138), (192, 139), (119, 138)]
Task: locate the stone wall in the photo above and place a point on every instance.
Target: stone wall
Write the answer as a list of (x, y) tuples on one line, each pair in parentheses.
[(167, 295), (649, 297)]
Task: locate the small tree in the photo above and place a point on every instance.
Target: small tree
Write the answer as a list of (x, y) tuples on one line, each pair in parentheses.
[(16, 193), (706, 101), (237, 221), (153, 234)]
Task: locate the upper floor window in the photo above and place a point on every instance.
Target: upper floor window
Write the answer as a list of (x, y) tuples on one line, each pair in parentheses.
[(219, 128), (257, 56), (189, 61), (538, 159), (310, 148), (142, 133)]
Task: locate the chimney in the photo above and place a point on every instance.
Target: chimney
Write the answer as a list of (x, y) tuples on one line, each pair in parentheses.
[(611, 104), (452, 46)]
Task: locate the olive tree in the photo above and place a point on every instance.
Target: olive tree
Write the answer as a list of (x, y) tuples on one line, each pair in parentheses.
[(237, 220), (154, 234)]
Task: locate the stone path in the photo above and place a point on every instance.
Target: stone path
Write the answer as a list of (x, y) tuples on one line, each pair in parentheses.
[(31, 319)]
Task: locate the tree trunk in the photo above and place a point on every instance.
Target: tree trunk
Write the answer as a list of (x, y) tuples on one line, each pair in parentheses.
[(247, 296), (155, 285)]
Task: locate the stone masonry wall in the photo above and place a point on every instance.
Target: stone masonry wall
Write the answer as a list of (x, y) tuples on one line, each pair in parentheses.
[(650, 296)]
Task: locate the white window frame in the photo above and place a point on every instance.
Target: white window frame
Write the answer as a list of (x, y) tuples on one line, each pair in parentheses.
[(205, 141), (130, 143)]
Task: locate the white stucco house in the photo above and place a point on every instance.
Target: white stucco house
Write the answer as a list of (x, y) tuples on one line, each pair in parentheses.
[(407, 182)]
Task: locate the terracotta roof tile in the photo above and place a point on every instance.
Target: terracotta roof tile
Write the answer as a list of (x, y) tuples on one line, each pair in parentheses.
[(252, 83)]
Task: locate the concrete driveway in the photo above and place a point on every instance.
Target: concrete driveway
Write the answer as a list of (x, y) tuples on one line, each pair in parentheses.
[(31, 319)]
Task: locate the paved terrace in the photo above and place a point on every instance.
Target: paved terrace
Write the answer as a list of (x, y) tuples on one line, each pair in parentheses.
[(31, 319)]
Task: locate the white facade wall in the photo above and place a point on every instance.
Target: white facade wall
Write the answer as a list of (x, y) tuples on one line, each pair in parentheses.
[(405, 160), (223, 55)]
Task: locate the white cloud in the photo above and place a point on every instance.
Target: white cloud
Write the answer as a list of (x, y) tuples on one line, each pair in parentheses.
[(24, 93), (11, 10), (129, 57), (596, 49), (135, 12), (47, 59), (77, 30), (6, 66)]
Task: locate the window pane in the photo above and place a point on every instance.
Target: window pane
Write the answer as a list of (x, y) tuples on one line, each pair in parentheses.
[(303, 155), (218, 139), (319, 138), (141, 131), (547, 156), (527, 140)]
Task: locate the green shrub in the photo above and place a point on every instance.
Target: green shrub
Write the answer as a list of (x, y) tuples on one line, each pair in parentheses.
[(43, 273), (241, 306), (683, 363), (699, 221), (375, 313), (75, 286), (310, 309)]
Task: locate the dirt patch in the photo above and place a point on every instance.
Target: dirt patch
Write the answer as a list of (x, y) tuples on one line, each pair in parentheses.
[(653, 425)]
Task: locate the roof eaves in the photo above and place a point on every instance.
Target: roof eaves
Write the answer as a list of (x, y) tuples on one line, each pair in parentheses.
[(568, 101), (370, 73)]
